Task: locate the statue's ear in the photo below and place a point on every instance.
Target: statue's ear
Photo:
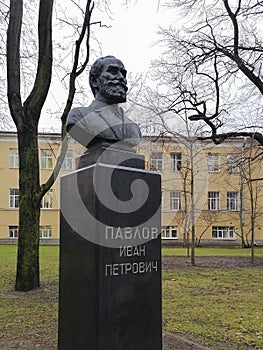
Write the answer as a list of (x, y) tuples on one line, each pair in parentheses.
[(94, 82)]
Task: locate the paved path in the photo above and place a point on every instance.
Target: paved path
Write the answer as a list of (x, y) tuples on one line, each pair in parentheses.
[(174, 342)]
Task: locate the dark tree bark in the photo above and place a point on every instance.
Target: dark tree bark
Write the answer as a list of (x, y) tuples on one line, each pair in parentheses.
[(26, 117), (27, 276)]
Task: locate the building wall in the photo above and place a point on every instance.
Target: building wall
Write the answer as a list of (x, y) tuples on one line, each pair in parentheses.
[(49, 216), (211, 171), (208, 164)]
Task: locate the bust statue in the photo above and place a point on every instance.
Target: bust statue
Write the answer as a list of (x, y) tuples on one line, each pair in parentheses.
[(104, 121)]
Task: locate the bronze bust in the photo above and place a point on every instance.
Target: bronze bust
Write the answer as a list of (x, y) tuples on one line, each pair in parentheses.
[(104, 121)]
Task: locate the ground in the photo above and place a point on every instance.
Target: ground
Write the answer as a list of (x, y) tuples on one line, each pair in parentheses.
[(45, 338), (173, 342), (181, 262)]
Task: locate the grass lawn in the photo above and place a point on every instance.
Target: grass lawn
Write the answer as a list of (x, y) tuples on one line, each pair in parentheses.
[(29, 320), (213, 251), (221, 308)]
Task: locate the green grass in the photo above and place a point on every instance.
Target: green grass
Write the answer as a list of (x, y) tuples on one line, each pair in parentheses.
[(220, 308), (213, 251), (29, 320)]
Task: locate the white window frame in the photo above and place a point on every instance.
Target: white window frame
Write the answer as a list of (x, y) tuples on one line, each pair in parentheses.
[(233, 163), (14, 198), (68, 161), (175, 161), (46, 159), (214, 163), (45, 232), (13, 232), (223, 232), (47, 200), (13, 158), (157, 161), (233, 201), (175, 200), (213, 201), (170, 232)]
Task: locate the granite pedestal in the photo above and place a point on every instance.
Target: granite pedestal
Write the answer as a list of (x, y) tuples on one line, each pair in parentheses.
[(110, 255)]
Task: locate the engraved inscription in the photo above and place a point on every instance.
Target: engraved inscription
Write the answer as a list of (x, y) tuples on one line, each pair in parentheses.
[(130, 233), (139, 250), (131, 268), (130, 251)]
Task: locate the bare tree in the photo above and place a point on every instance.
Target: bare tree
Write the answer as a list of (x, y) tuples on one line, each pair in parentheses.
[(26, 115), (4, 13), (253, 181), (208, 218), (161, 112), (215, 66), (211, 71)]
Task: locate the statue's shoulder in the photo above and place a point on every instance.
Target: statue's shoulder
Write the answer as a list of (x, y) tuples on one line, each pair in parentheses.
[(77, 113)]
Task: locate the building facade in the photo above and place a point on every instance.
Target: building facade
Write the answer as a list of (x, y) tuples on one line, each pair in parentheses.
[(49, 146), (213, 191)]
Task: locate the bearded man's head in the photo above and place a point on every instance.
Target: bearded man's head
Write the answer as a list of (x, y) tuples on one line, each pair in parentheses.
[(107, 80)]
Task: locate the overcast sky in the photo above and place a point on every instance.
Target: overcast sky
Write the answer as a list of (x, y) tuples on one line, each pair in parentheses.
[(130, 35), (133, 32)]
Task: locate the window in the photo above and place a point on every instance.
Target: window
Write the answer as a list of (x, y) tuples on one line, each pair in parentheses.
[(46, 202), (46, 159), (13, 231), (175, 161), (232, 201), (68, 161), (157, 161), (213, 162), (13, 158), (45, 232), (169, 232), (233, 163), (13, 198), (175, 200), (223, 232), (213, 200)]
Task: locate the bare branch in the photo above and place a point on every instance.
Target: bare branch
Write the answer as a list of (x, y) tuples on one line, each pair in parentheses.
[(75, 72), (37, 97), (101, 25), (13, 60)]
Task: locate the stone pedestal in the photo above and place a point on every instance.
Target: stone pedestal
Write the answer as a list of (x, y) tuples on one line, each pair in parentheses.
[(110, 256)]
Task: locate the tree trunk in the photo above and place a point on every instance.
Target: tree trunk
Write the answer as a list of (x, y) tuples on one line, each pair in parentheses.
[(26, 116), (27, 276), (192, 208), (253, 241), (193, 239)]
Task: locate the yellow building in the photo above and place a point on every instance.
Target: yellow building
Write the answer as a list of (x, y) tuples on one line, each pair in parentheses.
[(49, 145), (215, 179)]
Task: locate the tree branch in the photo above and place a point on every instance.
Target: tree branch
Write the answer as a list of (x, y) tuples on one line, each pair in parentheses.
[(75, 72), (13, 60), (35, 101), (219, 138), (244, 69), (47, 185)]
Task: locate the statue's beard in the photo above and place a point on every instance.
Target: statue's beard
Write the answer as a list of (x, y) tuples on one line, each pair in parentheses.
[(114, 91)]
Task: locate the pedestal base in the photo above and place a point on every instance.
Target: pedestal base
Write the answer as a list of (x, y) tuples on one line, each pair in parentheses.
[(110, 272)]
